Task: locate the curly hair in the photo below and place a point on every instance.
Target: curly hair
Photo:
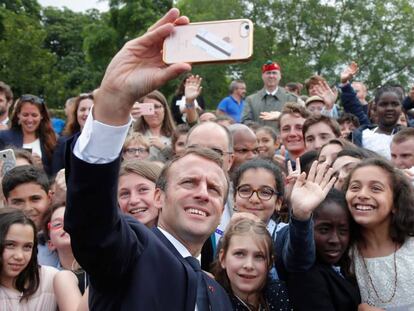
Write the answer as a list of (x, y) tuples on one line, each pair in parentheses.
[(402, 220)]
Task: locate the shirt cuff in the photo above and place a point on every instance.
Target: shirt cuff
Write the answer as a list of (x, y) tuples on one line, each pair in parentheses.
[(100, 143)]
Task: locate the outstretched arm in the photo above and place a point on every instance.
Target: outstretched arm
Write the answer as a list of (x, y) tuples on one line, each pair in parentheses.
[(349, 99), (99, 234), (297, 246), (136, 70)]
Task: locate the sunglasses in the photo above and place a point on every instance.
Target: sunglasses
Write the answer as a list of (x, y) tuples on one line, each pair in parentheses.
[(32, 99), (86, 96)]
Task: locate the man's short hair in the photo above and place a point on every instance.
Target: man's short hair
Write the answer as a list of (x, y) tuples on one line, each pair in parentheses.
[(234, 85), (315, 119), (294, 108), (293, 86), (205, 153), (25, 174), (4, 88), (348, 117), (403, 135), (313, 80)]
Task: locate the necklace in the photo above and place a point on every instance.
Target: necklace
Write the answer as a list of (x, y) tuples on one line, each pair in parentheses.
[(372, 283)]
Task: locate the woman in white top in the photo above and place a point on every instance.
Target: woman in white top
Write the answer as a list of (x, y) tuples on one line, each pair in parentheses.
[(31, 129), (24, 285), (381, 201)]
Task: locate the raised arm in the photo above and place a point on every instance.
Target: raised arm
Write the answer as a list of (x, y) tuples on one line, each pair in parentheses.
[(103, 241), (296, 244), (136, 70), (349, 99)]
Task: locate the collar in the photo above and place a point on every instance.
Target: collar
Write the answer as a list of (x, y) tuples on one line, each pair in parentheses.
[(178, 245), (272, 93)]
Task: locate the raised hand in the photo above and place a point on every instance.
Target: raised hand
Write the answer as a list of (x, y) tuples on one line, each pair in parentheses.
[(324, 91), (192, 88), (291, 177), (136, 70), (269, 116), (349, 72), (308, 192), (155, 141), (281, 158)]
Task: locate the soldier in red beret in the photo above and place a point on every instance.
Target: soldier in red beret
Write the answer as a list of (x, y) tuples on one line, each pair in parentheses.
[(264, 106)]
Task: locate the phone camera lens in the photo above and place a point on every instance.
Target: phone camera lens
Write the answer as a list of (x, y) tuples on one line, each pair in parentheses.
[(246, 27)]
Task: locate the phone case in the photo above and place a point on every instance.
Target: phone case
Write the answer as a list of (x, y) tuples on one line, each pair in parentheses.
[(9, 160), (208, 42), (146, 109)]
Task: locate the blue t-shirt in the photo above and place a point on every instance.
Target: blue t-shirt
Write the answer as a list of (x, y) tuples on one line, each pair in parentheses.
[(231, 107)]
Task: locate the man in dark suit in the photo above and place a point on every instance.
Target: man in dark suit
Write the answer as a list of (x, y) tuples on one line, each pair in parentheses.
[(130, 266)]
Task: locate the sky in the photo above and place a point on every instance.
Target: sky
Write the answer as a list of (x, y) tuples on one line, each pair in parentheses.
[(77, 5)]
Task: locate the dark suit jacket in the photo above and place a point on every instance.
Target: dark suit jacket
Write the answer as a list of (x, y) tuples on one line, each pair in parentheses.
[(130, 266), (14, 138), (58, 161), (321, 288)]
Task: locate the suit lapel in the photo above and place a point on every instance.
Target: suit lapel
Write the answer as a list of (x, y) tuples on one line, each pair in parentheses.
[(191, 274)]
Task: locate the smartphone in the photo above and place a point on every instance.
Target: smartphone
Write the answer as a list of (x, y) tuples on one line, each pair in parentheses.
[(28, 149), (8, 159), (146, 109), (225, 41)]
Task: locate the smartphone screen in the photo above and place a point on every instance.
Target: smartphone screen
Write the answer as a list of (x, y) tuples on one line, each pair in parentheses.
[(218, 41)]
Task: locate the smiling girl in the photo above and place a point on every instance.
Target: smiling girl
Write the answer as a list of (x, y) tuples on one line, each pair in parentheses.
[(381, 201), (23, 284), (245, 259)]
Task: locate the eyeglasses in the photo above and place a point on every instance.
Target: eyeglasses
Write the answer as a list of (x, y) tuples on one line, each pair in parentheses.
[(32, 99), (132, 151), (264, 193), (56, 225)]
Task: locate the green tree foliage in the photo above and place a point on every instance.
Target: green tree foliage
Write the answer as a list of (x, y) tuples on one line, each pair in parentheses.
[(59, 53), (24, 63)]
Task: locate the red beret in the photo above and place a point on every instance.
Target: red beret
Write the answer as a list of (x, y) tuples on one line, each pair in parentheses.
[(270, 66)]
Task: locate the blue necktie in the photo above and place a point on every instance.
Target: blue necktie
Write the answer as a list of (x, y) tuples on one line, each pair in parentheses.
[(202, 296)]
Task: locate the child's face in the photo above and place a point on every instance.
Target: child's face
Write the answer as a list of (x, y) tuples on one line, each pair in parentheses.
[(346, 128), (331, 231), (370, 197), (32, 199), (267, 145), (342, 166), (18, 248), (388, 109), (136, 197), (59, 238), (180, 144), (257, 179), (135, 151), (246, 264), (291, 132), (328, 153)]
